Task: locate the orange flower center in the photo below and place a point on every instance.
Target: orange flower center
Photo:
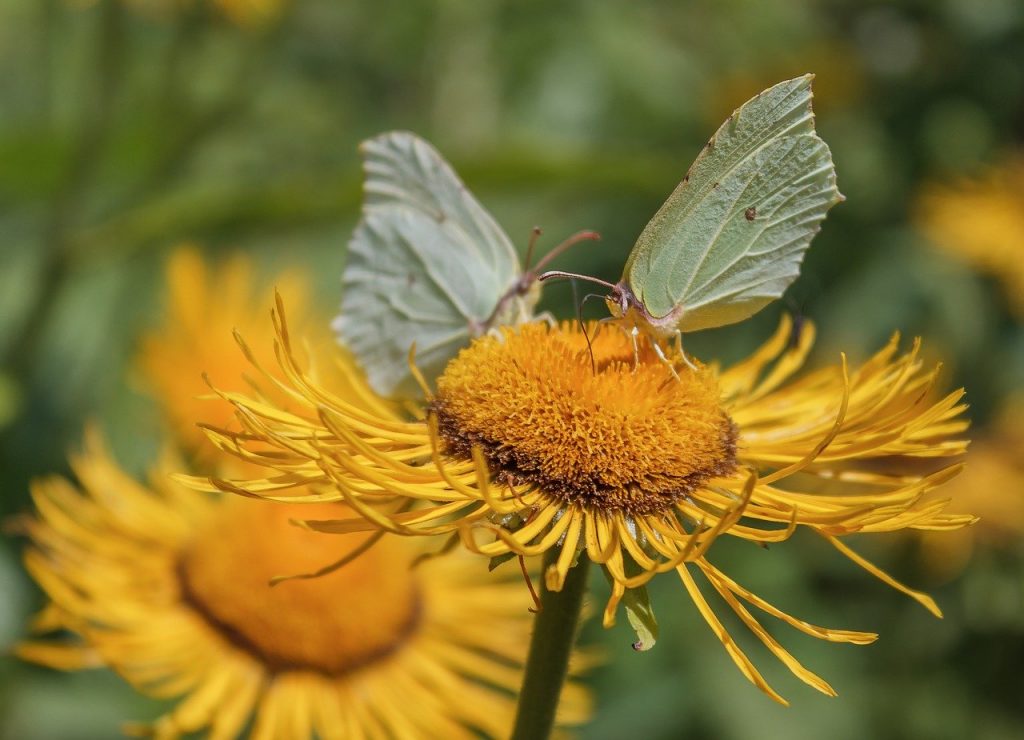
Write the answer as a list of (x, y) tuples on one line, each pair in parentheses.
[(608, 426), (332, 624)]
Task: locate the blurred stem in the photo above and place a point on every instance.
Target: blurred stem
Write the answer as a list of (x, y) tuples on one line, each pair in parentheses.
[(554, 632)]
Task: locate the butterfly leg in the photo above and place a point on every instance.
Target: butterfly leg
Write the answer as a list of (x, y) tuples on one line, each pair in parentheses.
[(634, 333), (548, 318), (664, 360), (679, 349), (496, 333)]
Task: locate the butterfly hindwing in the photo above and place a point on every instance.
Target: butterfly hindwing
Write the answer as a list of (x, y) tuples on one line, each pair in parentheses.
[(426, 265)]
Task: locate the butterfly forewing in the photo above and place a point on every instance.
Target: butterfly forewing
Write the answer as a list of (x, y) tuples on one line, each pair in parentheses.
[(426, 265), (731, 236)]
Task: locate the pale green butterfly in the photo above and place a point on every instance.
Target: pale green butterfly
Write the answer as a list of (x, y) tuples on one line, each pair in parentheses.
[(731, 236), (427, 265)]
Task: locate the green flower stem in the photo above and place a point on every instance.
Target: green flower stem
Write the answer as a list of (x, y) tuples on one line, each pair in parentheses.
[(554, 632)]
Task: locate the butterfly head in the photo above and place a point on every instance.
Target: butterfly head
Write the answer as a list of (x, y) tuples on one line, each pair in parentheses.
[(620, 300)]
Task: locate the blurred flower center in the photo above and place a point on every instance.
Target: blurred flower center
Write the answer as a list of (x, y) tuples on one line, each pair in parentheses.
[(334, 624), (603, 426)]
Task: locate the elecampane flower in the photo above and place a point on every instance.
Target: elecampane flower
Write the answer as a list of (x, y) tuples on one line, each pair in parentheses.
[(251, 13), (981, 220), (990, 488), (192, 345), (541, 438), (244, 13), (170, 589)]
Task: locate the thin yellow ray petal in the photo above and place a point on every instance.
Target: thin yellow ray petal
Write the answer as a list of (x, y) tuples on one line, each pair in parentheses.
[(738, 656), (825, 441), (58, 657), (795, 666), (610, 607), (236, 709), (554, 577), (923, 599), (824, 633), (740, 378)]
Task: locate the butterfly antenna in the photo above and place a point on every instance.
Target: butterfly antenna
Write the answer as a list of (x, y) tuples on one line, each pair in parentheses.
[(587, 297), (535, 233), (583, 327), (579, 236), (554, 274)]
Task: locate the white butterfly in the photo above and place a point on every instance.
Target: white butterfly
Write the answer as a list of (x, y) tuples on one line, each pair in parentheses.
[(426, 265), (731, 236)]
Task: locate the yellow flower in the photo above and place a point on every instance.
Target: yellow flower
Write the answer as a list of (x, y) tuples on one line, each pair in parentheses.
[(250, 13), (547, 444), (839, 78), (203, 307), (990, 488), (982, 222), (245, 13), (170, 589)]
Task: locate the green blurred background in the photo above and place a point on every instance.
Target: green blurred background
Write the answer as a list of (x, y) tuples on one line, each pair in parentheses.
[(128, 128)]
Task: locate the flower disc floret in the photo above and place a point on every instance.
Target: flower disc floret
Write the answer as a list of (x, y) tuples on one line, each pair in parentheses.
[(600, 425), (332, 625)]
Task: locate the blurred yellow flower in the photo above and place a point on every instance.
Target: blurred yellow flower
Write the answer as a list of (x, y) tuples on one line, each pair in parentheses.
[(251, 14), (203, 307), (838, 78), (169, 588), (992, 488), (981, 220), (551, 443)]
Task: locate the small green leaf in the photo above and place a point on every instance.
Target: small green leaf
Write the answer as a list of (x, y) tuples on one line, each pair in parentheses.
[(641, 618), (638, 610)]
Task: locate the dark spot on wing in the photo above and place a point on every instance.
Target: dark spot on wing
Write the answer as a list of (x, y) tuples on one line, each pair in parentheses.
[(715, 186), (410, 279), (750, 214)]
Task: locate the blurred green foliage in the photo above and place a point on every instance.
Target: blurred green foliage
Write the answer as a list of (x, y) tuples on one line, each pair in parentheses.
[(126, 133)]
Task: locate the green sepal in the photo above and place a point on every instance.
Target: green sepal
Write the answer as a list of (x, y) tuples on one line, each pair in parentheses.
[(639, 610), (641, 618)]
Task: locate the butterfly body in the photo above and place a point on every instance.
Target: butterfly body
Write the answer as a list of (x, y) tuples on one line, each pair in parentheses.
[(630, 311)]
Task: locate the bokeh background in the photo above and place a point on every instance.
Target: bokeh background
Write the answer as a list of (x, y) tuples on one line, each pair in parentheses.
[(129, 128)]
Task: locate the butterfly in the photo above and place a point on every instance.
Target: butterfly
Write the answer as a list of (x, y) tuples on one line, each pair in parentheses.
[(730, 238), (427, 265)]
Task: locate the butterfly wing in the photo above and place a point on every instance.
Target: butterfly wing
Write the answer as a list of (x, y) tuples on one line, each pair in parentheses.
[(731, 237), (426, 264)]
